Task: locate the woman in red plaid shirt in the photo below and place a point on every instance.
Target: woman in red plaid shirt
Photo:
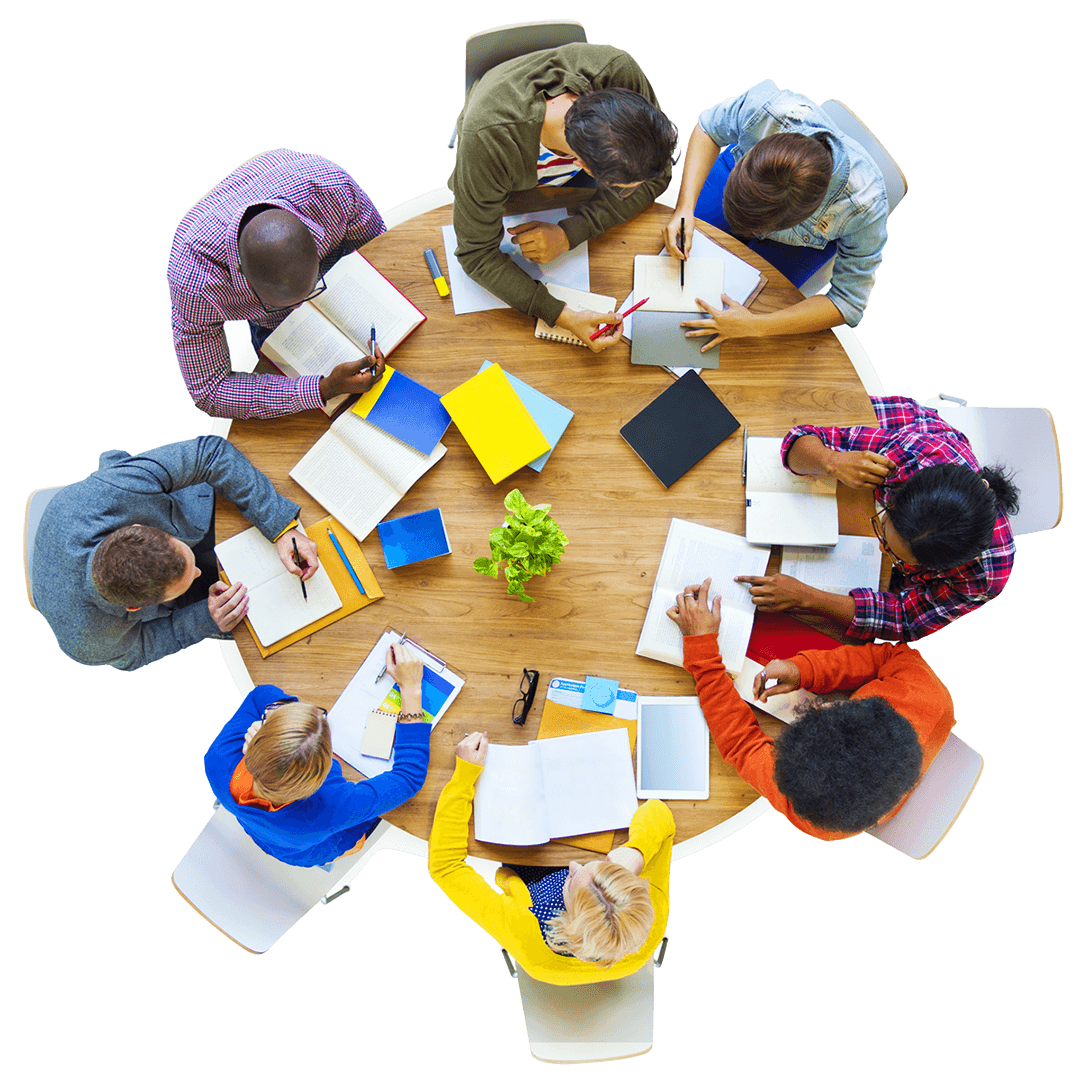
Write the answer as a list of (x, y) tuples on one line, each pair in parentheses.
[(942, 519)]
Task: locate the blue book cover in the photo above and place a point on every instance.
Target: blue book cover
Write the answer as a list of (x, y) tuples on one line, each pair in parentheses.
[(550, 417), (403, 408), (413, 538)]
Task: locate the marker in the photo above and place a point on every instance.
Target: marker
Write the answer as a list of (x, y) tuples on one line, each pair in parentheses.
[(344, 559), (610, 326), (300, 563), (436, 272)]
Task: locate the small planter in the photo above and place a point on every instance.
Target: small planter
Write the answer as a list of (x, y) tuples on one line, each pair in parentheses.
[(528, 542)]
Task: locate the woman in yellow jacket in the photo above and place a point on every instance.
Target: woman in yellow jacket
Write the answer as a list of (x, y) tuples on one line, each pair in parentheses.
[(610, 916)]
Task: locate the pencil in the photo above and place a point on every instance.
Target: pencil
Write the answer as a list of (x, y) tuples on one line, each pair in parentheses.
[(610, 326)]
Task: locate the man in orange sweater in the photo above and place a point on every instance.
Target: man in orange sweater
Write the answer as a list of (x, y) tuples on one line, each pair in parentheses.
[(845, 765)]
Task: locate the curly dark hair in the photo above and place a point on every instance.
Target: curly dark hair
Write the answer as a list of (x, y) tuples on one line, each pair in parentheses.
[(134, 566), (946, 514), (845, 764), (621, 136)]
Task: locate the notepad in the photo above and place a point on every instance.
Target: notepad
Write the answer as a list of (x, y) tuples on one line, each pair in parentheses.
[(783, 508), (495, 424), (657, 277), (401, 407), (578, 301), (680, 427), (551, 417), (413, 538)]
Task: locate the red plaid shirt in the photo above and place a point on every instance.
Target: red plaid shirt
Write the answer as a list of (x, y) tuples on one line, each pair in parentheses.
[(208, 289), (914, 438)]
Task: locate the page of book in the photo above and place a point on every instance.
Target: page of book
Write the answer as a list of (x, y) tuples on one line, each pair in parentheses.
[(691, 554), (765, 472), (309, 344), (658, 278), (853, 563), (510, 805), (358, 297), (359, 473), (276, 604)]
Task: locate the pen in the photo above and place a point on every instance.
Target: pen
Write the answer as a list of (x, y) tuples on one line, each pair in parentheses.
[(344, 559), (610, 326), (745, 452), (682, 261), (436, 272), (301, 564)]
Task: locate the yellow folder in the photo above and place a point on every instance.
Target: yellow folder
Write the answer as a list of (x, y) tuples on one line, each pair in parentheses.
[(494, 423)]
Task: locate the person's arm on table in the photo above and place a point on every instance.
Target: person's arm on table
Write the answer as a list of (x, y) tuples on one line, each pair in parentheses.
[(781, 592), (808, 456), (735, 321)]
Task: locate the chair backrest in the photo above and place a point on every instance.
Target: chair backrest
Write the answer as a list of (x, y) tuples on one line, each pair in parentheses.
[(595, 1022), (935, 803), (248, 895), (35, 507), (1024, 441), (489, 48), (895, 183)]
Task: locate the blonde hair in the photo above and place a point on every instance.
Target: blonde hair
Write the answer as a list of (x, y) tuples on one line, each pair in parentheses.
[(607, 919), (290, 755)]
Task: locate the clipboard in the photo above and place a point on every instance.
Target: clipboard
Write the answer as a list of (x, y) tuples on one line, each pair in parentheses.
[(330, 563)]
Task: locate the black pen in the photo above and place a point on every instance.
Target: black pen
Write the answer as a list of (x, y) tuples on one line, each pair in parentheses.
[(682, 261), (300, 563), (745, 453), (374, 345)]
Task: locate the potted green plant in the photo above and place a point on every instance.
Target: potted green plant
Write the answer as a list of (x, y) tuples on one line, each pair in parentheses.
[(528, 542)]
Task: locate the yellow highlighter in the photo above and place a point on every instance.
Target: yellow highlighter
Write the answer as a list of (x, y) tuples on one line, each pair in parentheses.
[(436, 272)]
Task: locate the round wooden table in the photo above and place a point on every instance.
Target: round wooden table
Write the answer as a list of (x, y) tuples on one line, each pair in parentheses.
[(589, 610)]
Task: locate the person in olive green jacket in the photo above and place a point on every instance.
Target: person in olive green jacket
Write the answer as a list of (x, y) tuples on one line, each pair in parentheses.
[(538, 120)]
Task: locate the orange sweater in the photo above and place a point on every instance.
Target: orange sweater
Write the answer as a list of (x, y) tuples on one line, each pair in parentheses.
[(896, 673)]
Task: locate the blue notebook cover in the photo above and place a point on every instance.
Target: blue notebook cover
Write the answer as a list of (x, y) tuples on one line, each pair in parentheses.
[(551, 417), (410, 412), (413, 538)]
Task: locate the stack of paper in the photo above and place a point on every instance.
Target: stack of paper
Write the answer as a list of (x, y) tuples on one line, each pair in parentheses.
[(551, 417)]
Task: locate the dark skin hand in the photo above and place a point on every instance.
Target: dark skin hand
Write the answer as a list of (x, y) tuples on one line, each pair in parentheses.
[(354, 377)]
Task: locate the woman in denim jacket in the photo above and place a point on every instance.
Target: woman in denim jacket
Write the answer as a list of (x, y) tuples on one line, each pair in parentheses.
[(788, 179)]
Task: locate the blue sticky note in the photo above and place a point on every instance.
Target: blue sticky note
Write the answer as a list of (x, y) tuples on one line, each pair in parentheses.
[(600, 695)]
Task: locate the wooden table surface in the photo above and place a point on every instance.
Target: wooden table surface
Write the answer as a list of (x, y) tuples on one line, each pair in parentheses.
[(589, 610)]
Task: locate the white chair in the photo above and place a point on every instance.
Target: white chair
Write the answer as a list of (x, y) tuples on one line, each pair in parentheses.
[(35, 507), (895, 183), (250, 896), (594, 1022), (935, 803), (488, 48), (1024, 441)]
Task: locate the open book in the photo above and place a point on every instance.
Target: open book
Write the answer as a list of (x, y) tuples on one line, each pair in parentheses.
[(854, 563), (359, 473), (691, 554), (276, 604), (335, 327), (548, 788), (783, 508)]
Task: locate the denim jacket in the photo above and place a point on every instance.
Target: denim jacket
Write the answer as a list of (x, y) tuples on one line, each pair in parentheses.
[(854, 212)]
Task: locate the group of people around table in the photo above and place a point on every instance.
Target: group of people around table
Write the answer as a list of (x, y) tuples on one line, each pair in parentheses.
[(124, 570)]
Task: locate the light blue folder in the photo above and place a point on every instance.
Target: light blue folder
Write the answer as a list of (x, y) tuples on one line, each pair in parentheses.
[(551, 417)]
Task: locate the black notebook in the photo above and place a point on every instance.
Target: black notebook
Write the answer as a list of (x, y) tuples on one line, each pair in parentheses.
[(684, 424)]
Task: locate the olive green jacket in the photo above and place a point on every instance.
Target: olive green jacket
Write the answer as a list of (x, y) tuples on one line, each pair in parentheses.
[(498, 145)]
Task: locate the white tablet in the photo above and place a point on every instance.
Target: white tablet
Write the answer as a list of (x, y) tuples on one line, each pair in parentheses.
[(673, 745)]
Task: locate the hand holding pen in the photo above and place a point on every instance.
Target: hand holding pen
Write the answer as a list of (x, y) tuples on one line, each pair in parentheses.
[(606, 329), (354, 376)]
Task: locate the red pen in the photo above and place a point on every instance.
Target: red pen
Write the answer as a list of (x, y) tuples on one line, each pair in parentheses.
[(610, 326)]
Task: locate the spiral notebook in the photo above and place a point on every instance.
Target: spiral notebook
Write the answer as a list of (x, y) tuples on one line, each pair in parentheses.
[(579, 301)]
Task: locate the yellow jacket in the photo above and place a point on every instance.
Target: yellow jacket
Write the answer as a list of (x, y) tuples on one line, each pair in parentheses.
[(505, 916)]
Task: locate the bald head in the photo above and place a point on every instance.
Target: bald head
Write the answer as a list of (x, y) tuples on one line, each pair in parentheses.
[(278, 257)]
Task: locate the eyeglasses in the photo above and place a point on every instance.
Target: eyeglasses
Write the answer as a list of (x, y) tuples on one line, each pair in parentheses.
[(521, 707), (318, 291), (878, 530)]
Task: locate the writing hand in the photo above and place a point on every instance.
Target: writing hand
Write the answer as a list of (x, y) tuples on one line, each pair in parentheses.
[(353, 376), (673, 232), (405, 667), (786, 671), (585, 323), (473, 748), (227, 604), (692, 612), (540, 241), (308, 554)]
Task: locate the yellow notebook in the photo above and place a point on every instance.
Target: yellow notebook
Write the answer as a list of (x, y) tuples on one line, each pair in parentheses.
[(494, 423)]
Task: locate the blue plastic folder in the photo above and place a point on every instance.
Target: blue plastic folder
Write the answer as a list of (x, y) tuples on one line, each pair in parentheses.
[(413, 538), (403, 408), (551, 417)]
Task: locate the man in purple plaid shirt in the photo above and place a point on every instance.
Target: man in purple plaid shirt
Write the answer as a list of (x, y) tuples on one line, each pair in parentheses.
[(943, 520), (255, 248)]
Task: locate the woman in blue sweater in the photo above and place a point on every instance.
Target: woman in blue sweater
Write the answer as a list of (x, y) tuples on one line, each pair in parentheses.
[(272, 767)]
